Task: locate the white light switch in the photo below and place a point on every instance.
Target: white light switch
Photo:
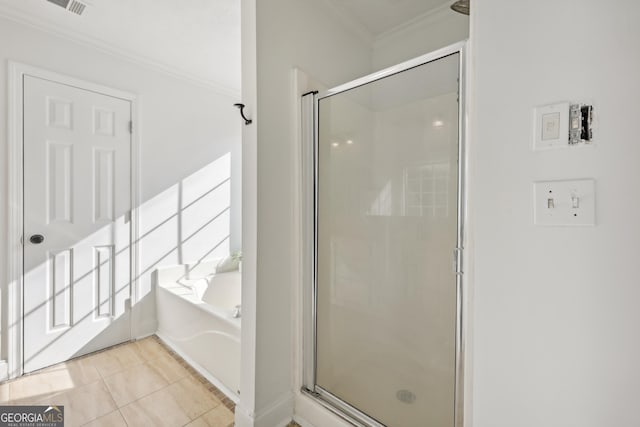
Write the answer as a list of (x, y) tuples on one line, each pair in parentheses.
[(551, 126), (565, 203)]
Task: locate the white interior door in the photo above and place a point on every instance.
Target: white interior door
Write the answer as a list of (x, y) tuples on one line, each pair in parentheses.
[(77, 199)]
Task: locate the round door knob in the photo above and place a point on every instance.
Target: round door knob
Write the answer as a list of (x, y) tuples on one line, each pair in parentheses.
[(36, 239)]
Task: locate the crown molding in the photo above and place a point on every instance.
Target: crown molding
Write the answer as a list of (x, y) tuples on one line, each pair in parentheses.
[(115, 51), (336, 7), (429, 17)]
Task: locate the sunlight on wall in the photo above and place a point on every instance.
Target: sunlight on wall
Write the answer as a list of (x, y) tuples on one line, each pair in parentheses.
[(187, 223), (82, 306)]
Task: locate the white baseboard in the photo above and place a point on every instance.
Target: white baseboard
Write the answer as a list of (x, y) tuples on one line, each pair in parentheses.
[(243, 417), (302, 422), (202, 371), (277, 414), (309, 413), (143, 328), (143, 336)]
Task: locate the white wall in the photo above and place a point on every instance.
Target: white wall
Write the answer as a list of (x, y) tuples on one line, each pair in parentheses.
[(289, 33), (556, 309), (310, 37), (190, 135)]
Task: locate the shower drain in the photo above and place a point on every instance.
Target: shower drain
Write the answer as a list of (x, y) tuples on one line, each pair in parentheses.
[(406, 396)]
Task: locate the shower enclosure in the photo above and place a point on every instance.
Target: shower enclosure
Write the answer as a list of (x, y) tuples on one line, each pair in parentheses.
[(383, 165)]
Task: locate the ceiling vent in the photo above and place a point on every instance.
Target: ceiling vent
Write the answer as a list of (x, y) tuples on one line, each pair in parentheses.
[(73, 6)]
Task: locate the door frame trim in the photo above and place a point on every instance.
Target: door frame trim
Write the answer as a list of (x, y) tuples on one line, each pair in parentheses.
[(14, 280)]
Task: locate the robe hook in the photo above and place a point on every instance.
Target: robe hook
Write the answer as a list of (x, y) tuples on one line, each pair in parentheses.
[(241, 107)]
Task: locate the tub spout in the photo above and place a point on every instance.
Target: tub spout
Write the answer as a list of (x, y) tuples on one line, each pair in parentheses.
[(236, 312)]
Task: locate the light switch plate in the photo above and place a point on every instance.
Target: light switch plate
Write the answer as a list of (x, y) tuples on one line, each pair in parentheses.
[(551, 126), (565, 203)]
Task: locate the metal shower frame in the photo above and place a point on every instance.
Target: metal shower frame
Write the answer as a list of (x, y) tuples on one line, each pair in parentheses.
[(310, 138)]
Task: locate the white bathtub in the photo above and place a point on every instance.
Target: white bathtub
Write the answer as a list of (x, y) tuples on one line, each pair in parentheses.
[(195, 318)]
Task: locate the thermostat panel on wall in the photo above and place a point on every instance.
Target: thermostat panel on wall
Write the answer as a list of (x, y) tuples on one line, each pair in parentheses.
[(551, 126), (561, 125)]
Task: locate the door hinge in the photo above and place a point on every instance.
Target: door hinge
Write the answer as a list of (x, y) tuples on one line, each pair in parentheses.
[(130, 126), (457, 261), (307, 390)]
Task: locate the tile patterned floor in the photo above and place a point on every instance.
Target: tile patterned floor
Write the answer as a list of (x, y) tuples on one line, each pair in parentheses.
[(137, 384)]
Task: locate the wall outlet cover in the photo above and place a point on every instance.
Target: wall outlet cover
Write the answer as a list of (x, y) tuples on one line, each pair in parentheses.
[(564, 203)]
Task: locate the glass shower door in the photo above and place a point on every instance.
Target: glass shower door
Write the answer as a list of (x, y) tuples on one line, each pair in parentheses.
[(387, 196)]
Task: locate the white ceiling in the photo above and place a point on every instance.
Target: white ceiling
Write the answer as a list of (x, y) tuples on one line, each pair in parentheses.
[(196, 38), (379, 16)]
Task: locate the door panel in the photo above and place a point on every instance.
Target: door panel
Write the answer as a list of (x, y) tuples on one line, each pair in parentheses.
[(77, 195), (60, 177), (104, 178), (60, 289)]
